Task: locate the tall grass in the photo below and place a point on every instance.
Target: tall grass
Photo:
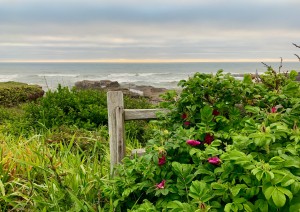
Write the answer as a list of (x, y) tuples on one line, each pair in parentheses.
[(42, 176)]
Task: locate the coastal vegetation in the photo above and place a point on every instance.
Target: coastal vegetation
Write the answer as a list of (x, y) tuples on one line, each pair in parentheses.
[(226, 145), (14, 93)]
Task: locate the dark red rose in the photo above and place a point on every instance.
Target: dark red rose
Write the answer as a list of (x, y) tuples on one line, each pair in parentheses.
[(186, 123), (208, 138), (215, 112), (184, 116), (162, 160)]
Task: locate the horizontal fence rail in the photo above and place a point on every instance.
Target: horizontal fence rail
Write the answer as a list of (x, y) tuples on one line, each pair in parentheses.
[(117, 116), (142, 114)]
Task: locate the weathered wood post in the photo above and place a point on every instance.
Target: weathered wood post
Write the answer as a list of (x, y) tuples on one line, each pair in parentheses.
[(115, 107)]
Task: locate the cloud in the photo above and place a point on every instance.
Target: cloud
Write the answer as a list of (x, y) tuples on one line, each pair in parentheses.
[(148, 29)]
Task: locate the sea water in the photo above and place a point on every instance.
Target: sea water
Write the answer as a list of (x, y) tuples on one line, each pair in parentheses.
[(167, 75)]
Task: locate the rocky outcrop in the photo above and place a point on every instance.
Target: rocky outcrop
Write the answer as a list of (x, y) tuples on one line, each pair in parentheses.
[(129, 89), (98, 85), (151, 92)]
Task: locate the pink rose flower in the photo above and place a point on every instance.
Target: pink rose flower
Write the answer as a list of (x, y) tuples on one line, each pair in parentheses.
[(162, 160), (161, 185), (273, 110), (193, 142), (186, 123), (214, 161)]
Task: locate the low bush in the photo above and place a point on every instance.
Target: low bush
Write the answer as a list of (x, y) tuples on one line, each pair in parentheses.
[(227, 145), (14, 93), (83, 108)]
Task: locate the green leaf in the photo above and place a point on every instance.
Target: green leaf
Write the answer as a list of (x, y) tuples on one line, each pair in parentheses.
[(279, 198), (275, 160), (200, 191), (206, 114), (177, 206), (239, 200), (247, 208), (202, 170), (288, 183), (251, 109), (262, 205), (295, 187), (291, 88), (269, 192), (215, 204), (236, 189), (286, 192), (78, 203), (2, 188), (182, 170), (227, 207)]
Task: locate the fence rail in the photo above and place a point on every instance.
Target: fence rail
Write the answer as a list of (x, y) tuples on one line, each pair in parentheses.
[(117, 116)]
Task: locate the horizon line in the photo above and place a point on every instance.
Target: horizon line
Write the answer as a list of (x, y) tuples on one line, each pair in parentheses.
[(149, 61)]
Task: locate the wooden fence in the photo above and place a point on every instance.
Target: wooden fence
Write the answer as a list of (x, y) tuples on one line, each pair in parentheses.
[(117, 115)]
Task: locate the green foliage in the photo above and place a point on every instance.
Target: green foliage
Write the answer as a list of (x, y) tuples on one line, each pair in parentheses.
[(247, 159), (14, 93), (83, 108)]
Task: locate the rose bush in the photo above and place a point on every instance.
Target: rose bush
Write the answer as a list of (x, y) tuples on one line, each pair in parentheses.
[(239, 152)]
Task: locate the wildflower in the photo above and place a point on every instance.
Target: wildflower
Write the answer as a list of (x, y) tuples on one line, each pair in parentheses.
[(273, 110), (161, 185), (215, 112), (193, 142), (186, 123), (162, 160), (208, 138), (184, 116), (214, 160)]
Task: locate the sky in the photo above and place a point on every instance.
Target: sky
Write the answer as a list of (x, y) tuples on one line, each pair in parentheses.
[(149, 30)]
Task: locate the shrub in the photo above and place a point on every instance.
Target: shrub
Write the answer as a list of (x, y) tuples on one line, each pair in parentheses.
[(227, 145), (14, 93), (63, 106), (83, 108)]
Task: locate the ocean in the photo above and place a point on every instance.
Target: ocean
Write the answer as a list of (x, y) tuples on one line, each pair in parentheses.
[(166, 75)]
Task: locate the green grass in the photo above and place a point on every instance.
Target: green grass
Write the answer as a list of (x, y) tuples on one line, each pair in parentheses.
[(40, 175)]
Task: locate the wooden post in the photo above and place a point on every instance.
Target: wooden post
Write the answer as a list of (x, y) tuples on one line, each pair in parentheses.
[(120, 134), (115, 103)]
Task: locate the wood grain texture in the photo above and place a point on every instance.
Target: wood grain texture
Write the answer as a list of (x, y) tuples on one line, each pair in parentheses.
[(121, 147), (142, 114), (137, 152), (114, 100)]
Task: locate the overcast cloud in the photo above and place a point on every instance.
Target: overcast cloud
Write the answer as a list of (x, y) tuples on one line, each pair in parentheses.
[(154, 30)]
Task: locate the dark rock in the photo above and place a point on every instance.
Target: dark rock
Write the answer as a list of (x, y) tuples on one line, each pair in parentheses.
[(151, 92), (298, 77), (98, 85)]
